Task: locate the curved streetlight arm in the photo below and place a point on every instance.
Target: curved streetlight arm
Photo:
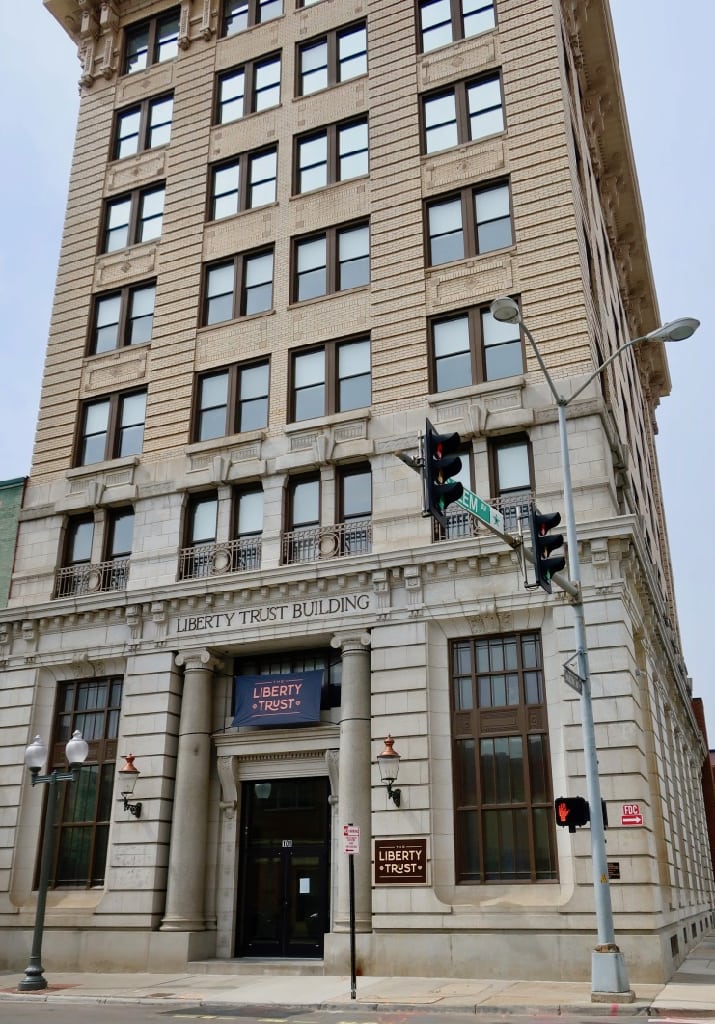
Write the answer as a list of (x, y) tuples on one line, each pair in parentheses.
[(599, 369)]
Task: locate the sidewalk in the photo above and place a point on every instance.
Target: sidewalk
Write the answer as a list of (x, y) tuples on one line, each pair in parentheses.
[(689, 994)]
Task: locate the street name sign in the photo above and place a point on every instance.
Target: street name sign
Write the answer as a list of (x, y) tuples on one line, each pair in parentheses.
[(573, 679), (477, 507), (631, 815)]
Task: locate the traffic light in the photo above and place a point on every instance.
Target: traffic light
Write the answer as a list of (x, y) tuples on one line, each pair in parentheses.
[(572, 812), (543, 545), (441, 463)]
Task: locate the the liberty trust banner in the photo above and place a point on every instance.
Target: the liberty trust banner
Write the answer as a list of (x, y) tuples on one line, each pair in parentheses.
[(277, 699)]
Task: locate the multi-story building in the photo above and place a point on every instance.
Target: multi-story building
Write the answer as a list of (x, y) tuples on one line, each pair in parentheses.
[(286, 222)]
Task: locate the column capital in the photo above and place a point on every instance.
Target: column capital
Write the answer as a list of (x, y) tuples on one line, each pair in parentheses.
[(197, 659), (350, 643)]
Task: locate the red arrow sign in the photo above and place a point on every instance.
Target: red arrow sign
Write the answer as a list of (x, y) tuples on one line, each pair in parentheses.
[(631, 819)]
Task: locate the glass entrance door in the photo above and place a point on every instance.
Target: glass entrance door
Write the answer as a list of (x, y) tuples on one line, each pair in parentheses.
[(283, 895)]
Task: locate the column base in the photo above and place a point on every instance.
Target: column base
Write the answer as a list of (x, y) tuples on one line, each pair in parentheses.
[(609, 978), (183, 924)]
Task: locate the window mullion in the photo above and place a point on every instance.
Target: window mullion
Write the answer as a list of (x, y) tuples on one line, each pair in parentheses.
[(123, 325), (332, 41), (232, 397), (469, 223), (239, 263)]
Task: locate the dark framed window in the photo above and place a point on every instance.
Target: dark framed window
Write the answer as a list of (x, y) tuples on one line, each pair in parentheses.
[(133, 218), (463, 113), (328, 60), (469, 223), (303, 518), (335, 153), (124, 317), (237, 287), (244, 183), (201, 518), (120, 531), (503, 820), (512, 475), (144, 126), (248, 511), (331, 261), (232, 400), (355, 509), (444, 21), (112, 427), (331, 378), (470, 347), (78, 540), (151, 42), (238, 15), (84, 811), (248, 89)]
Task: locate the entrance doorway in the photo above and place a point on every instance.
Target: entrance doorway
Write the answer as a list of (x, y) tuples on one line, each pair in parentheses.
[(283, 906)]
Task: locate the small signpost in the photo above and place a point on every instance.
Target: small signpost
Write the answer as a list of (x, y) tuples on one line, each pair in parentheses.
[(351, 846), (476, 506), (631, 815)]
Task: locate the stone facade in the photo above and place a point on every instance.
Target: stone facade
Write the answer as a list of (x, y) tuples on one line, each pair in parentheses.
[(391, 611)]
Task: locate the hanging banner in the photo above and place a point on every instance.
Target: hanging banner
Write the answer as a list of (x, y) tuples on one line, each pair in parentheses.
[(277, 699)]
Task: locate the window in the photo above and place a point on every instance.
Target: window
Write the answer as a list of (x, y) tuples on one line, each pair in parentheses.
[(123, 318), (332, 378), (355, 510), (468, 111), (239, 15), (79, 539), (246, 90), (239, 287), (468, 224), (332, 261), (257, 171), (118, 548), (332, 59), (335, 153), (112, 427), (504, 829), (151, 42), (133, 218), (303, 519), (84, 809), (443, 21), (470, 347), (145, 126), (248, 527), (232, 401), (512, 476)]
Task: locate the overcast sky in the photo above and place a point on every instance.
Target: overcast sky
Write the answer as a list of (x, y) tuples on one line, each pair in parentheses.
[(665, 63)]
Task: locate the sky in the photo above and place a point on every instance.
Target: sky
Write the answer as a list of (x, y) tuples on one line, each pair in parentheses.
[(665, 62)]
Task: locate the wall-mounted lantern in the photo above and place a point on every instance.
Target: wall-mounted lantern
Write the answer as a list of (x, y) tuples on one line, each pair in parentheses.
[(389, 764), (128, 776)]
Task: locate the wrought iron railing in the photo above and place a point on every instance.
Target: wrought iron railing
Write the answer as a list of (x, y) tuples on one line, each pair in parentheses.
[(214, 559), (318, 542), (88, 578)]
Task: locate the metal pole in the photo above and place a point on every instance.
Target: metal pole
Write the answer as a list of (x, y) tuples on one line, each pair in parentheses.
[(351, 883), (34, 978), (608, 967)]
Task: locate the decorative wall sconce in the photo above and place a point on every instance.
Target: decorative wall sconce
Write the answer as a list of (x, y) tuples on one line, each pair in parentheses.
[(128, 776), (389, 764)]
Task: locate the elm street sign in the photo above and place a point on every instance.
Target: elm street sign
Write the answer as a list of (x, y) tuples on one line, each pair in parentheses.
[(477, 507)]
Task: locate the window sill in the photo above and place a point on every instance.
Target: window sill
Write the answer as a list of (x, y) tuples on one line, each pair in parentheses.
[(242, 33), (334, 419), (116, 353), (330, 88), (102, 467), (486, 387), (221, 324), (461, 146), (218, 444), (471, 258), (330, 187), (302, 303), (241, 213)]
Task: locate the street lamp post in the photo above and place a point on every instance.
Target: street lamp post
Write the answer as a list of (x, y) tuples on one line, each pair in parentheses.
[(609, 977), (35, 756)]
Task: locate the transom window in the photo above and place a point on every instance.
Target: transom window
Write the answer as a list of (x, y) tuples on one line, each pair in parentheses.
[(239, 15), (238, 287), (470, 347), (244, 183), (444, 21), (333, 378), (504, 829), (248, 89), (464, 113), (133, 218), (151, 42), (335, 260), (335, 153), (124, 317), (112, 428), (232, 400), (144, 126), (336, 57), (470, 223)]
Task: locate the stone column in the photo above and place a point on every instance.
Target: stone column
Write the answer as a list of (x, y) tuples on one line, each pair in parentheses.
[(354, 803), (185, 903)]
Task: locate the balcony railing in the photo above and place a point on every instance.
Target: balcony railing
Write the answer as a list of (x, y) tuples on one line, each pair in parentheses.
[(319, 542), (75, 580), (514, 507), (238, 555)]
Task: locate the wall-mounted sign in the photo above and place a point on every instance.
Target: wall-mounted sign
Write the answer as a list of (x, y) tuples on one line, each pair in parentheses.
[(277, 699), (294, 611), (631, 815), (614, 869), (401, 861)]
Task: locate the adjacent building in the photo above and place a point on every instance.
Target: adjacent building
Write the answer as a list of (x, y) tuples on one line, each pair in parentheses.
[(286, 222)]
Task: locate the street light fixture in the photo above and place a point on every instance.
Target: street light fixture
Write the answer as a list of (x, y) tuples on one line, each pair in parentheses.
[(609, 977), (35, 756)]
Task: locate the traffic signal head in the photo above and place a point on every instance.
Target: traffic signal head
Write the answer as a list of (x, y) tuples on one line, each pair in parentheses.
[(545, 563), (572, 812), (441, 464)]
